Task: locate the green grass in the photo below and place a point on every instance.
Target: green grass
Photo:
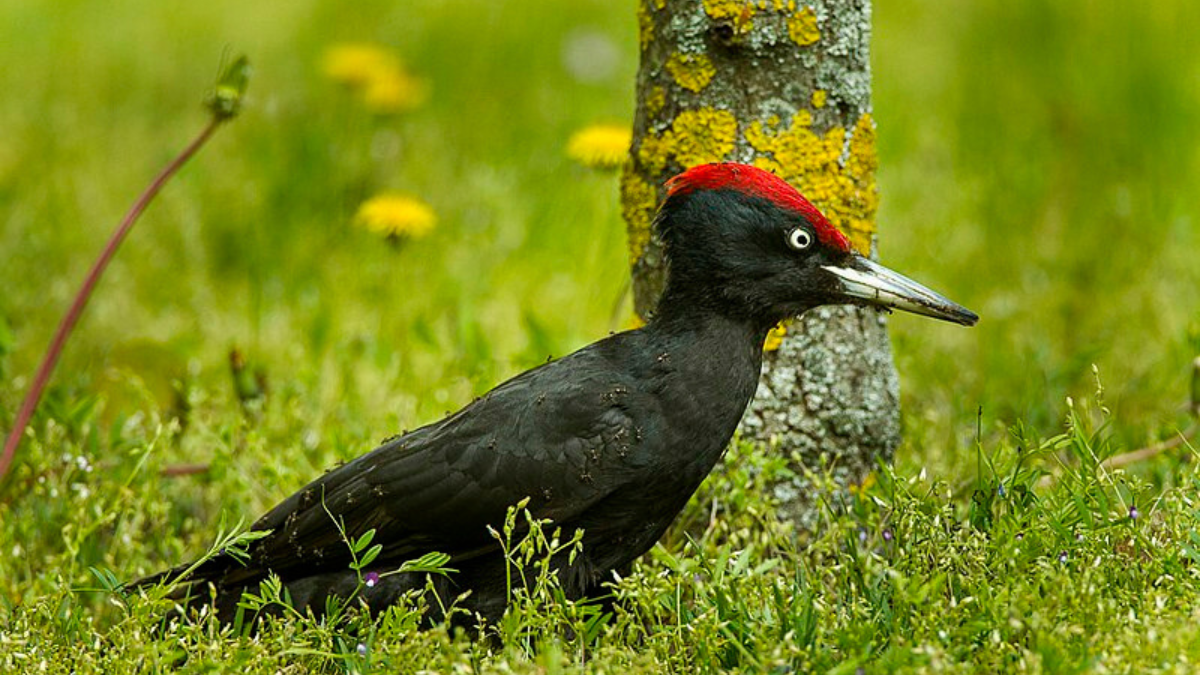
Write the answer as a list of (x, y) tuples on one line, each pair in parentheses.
[(1036, 165)]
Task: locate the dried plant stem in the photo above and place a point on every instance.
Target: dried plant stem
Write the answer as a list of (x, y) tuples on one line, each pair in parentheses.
[(1134, 456), (1142, 454), (46, 368), (183, 470)]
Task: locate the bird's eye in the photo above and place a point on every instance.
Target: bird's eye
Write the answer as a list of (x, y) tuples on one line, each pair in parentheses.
[(799, 239)]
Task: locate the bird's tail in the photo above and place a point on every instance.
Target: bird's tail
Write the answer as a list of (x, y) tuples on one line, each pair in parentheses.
[(157, 578), (191, 586)]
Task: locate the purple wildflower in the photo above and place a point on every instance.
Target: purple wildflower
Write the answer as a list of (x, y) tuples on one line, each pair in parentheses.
[(370, 579), (362, 649), (887, 535), (1062, 557), (1133, 513)]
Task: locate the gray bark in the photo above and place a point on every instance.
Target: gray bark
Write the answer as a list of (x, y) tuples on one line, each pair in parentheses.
[(785, 86)]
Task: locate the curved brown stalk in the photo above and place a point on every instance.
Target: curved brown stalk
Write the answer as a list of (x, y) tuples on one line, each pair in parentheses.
[(34, 395), (223, 104)]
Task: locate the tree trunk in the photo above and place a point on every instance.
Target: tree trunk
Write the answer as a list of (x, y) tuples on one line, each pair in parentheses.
[(784, 86)]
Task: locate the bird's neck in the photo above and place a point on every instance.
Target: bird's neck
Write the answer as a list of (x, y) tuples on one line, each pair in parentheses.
[(705, 369), (705, 316), (706, 328), (687, 300), (717, 357)]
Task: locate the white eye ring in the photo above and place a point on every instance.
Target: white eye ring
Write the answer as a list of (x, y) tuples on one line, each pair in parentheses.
[(799, 239)]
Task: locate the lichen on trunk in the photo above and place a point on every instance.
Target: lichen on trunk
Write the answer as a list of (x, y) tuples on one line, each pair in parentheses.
[(785, 86)]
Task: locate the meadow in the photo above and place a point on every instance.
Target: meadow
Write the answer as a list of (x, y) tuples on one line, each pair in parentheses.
[(1038, 163)]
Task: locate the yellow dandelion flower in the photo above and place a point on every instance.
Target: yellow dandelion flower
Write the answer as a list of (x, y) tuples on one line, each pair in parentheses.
[(395, 215), (357, 65), (377, 75), (775, 337), (393, 93), (600, 146)]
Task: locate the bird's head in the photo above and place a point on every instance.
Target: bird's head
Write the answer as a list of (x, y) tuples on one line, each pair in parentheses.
[(742, 241)]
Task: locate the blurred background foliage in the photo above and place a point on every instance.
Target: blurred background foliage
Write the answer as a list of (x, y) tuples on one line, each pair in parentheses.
[(1038, 163)]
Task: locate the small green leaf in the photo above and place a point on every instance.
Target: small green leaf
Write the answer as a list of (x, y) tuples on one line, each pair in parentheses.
[(370, 555), (430, 562), (108, 580), (364, 541)]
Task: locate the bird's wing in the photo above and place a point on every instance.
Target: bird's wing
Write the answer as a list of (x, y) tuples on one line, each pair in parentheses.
[(564, 435)]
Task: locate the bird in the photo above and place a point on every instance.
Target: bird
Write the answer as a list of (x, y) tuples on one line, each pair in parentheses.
[(612, 439)]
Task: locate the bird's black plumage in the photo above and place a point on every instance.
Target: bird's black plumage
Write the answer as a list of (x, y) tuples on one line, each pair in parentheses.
[(613, 439)]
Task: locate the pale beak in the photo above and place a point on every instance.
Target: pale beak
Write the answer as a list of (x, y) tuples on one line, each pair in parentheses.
[(865, 282)]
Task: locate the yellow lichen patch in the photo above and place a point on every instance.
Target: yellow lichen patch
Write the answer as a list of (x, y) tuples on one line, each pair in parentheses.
[(695, 137), (600, 146), (862, 163), (691, 71), (655, 151), (702, 136), (802, 27), (775, 337), (645, 24), (819, 98), (656, 100), (638, 199), (738, 14), (845, 191)]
